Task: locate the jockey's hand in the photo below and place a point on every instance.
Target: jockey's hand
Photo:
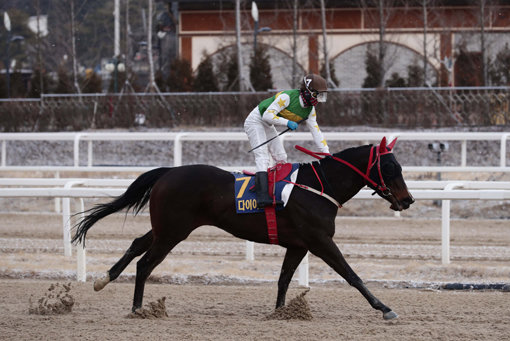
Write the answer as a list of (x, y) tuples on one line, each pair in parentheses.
[(292, 125)]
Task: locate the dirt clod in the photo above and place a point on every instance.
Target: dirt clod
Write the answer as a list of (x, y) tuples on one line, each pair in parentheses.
[(297, 309), (152, 310), (57, 300)]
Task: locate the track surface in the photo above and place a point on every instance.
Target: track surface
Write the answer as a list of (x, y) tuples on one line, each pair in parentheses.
[(218, 312), (388, 253)]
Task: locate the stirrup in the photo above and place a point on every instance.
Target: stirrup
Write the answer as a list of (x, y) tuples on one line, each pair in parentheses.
[(268, 202)]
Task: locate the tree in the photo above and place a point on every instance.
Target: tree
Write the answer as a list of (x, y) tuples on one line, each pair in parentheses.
[(205, 79), (64, 82), (372, 66), (160, 81), (415, 76), (225, 68), (180, 77), (17, 85), (35, 83), (3, 86), (483, 42), (380, 13), (331, 71), (232, 72), (499, 70), (395, 81), (92, 82), (260, 70)]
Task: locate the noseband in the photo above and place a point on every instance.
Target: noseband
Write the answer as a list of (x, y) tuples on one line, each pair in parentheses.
[(372, 162)]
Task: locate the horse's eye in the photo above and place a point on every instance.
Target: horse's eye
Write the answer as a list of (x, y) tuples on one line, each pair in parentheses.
[(389, 169)]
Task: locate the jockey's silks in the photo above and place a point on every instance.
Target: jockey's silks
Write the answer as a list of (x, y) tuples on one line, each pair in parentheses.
[(293, 112)]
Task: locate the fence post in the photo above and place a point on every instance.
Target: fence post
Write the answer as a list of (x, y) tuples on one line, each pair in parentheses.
[(445, 232), (303, 272), (463, 153), (66, 219), (81, 270), (90, 162), (250, 254), (445, 225), (178, 149), (76, 149), (57, 199), (502, 162), (4, 153)]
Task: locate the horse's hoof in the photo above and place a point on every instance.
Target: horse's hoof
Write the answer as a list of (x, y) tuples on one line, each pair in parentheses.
[(390, 315), (100, 283)]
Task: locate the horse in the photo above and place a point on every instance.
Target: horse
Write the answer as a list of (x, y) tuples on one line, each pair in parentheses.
[(184, 198)]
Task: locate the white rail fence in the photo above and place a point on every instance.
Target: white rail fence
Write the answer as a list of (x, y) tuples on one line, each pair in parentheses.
[(179, 138), (421, 190), (67, 188)]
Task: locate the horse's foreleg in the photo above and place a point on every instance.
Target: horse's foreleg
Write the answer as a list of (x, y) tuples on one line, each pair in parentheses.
[(146, 264), (327, 250), (137, 248), (291, 261)]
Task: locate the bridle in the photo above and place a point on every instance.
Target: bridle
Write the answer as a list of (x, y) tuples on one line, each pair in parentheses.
[(372, 162)]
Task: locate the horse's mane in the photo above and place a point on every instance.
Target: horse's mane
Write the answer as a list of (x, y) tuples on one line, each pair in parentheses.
[(346, 153)]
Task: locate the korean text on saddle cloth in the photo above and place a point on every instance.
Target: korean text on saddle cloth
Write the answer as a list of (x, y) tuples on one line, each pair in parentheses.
[(245, 196)]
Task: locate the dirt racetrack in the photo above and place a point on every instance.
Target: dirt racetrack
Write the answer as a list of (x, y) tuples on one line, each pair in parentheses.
[(213, 293), (239, 312)]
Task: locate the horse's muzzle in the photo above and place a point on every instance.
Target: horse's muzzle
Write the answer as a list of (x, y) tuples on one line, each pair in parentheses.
[(404, 204)]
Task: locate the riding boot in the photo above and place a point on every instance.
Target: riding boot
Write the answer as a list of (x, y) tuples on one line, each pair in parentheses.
[(261, 188)]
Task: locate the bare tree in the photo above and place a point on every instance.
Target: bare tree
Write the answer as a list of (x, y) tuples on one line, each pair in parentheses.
[(127, 60), (239, 48), (483, 4), (244, 82), (295, 76), (73, 53), (383, 8), (325, 45), (152, 86), (39, 54), (425, 25)]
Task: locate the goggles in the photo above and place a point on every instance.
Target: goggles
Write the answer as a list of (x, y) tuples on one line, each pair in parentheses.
[(321, 96)]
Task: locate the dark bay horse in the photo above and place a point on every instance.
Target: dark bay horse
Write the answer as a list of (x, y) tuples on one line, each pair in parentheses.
[(184, 198)]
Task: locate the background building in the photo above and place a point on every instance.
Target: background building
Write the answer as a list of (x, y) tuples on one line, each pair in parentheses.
[(448, 40)]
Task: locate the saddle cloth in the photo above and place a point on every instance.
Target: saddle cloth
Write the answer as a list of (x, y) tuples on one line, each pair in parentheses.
[(245, 195)]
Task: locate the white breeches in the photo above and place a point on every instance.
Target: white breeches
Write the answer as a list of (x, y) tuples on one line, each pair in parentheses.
[(259, 132)]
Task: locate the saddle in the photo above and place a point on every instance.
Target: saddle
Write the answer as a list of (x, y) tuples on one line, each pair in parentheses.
[(278, 178), (275, 174)]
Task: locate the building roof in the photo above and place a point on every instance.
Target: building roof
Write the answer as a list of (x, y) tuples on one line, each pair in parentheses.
[(263, 4)]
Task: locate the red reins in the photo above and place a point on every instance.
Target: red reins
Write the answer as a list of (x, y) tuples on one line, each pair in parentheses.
[(382, 187)]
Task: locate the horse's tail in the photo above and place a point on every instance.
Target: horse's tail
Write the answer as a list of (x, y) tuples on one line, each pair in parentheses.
[(136, 197)]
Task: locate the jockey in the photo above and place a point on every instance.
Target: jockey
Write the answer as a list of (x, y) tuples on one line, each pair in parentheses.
[(286, 108)]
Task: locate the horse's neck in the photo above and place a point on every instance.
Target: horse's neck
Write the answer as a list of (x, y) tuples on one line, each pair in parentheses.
[(344, 181)]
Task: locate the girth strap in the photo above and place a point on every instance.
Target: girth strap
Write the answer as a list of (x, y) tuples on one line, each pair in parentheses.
[(272, 230)]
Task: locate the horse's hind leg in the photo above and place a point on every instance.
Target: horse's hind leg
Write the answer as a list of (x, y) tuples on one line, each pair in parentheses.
[(327, 250), (156, 254), (137, 248), (291, 261)]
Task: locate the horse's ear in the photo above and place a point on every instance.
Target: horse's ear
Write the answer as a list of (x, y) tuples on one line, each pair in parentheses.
[(391, 144), (382, 145)]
